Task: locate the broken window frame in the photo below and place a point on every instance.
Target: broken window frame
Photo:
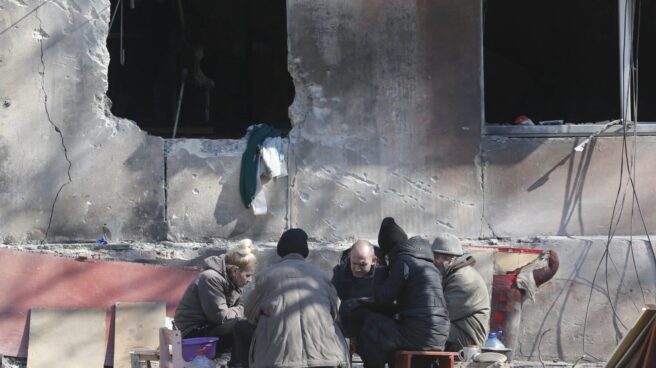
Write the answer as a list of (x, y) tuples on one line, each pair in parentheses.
[(642, 128)]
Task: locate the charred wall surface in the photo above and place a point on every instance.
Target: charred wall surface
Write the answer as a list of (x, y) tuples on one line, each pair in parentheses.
[(542, 186), (386, 116), (68, 166)]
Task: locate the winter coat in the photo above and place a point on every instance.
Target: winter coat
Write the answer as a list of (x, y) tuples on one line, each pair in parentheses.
[(294, 306), (211, 299), (468, 302), (349, 288), (415, 285)]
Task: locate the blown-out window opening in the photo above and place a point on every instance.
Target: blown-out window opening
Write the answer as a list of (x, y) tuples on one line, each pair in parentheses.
[(559, 68), (219, 65)]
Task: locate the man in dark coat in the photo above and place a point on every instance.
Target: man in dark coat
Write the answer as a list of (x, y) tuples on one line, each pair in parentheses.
[(414, 290), (355, 277), (465, 292)]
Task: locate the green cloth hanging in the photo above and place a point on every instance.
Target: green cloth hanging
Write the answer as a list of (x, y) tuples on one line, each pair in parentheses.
[(250, 159)]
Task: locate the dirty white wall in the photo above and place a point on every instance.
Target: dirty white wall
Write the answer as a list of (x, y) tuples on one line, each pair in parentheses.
[(541, 186), (386, 116), (203, 201), (66, 165)]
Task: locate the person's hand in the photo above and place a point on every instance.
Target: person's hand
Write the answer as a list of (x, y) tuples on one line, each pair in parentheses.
[(366, 300), (350, 304)]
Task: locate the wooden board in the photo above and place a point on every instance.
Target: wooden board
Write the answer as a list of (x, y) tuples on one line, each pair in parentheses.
[(136, 326), (31, 280), (634, 337), (71, 338)]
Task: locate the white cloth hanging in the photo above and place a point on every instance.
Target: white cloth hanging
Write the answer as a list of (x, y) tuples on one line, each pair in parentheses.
[(273, 154), (259, 204)]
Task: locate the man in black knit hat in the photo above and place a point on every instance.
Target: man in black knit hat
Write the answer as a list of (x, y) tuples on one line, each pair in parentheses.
[(294, 307), (413, 290)]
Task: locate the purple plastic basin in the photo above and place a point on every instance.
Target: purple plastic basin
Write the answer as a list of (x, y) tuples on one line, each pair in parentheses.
[(190, 346)]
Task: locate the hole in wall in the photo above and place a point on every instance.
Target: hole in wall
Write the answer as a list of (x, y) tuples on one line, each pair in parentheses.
[(551, 60), (231, 57)]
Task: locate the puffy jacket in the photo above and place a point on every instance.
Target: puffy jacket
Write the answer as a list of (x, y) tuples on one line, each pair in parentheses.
[(415, 286), (468, 302), (211, 299), (293, 306)]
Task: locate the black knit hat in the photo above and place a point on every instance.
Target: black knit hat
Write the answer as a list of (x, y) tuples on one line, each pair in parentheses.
[(390, 234), (293, 241)]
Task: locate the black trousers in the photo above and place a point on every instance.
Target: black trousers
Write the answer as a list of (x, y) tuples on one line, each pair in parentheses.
[(242, 337)]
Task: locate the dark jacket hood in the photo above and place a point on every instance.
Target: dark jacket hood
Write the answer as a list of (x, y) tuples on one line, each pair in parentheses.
[(390, 235), (416, 247), (217, 263)]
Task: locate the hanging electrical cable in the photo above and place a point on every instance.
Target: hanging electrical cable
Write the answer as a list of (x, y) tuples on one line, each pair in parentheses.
[(629, 120)]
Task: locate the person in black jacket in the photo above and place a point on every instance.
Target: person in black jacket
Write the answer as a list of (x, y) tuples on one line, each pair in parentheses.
[(413, 290), (355, 277)]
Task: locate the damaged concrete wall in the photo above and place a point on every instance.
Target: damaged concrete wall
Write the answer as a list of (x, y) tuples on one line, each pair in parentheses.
[(541, 186), (66, 165), (386, 116), (203, 201), (383, 125), (560, 306), (386, 120)]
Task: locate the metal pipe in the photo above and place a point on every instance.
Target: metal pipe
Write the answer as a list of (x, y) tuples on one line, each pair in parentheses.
[(177, 112)]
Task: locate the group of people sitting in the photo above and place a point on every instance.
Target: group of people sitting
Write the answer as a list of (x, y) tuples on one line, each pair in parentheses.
[(404, 294)]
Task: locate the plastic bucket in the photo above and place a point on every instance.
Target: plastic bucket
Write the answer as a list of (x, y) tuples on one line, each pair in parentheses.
[(191, 345)]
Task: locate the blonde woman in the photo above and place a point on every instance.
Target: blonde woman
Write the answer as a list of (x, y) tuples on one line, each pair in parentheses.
[(211, 304)]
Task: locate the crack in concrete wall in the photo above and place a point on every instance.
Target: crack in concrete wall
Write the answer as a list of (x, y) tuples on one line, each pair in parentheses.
[(481, 166), (42, 35), (298, 113)]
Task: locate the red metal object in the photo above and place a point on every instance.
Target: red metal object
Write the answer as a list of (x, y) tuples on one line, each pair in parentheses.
[(403, 359), (506, 308), (505, 249), (31, 280)]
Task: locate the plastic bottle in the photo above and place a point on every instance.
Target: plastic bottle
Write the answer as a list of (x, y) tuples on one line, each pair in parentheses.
[(201, 361), (492, 341)]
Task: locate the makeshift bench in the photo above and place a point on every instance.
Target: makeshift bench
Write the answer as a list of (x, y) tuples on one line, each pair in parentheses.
[(403, 358)]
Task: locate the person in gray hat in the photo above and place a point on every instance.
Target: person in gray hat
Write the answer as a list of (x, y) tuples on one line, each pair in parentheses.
[(465, 292)]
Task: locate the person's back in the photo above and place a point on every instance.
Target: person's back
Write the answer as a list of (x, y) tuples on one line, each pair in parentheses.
[(413, 290), (465, 292), (294, 306), (468, 302), (415, 285)]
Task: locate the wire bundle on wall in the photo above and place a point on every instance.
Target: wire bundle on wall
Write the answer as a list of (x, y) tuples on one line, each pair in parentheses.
[(629, 120)]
